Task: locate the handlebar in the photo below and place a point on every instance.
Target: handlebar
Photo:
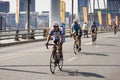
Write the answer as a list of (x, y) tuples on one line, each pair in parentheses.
[(49, 45)]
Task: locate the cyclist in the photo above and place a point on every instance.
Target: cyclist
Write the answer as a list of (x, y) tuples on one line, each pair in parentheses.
[(94, 31), (76, 32), (56, 32), (115, 28)]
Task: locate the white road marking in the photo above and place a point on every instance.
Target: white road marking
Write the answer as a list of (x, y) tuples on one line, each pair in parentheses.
[(10, 56), (71, 59), (88, 43), (97, 46)]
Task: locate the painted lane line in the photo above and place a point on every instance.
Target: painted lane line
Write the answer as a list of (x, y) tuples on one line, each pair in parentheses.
[(11, 56), (97, 46), (88, 43), (71, 59)]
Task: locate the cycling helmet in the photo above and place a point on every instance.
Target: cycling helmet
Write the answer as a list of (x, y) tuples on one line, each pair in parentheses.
[(55, 24), (75, 20)]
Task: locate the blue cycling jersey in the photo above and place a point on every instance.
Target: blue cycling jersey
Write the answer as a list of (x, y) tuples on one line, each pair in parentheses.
[(75, 28)]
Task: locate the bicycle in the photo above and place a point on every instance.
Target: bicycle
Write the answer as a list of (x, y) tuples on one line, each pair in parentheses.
[(76, 45), (115, 30), (94, 37), (55, 59)]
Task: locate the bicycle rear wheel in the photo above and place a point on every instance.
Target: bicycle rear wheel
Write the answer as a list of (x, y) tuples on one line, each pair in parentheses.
[(52, 64), (94, 37), (60, 64)]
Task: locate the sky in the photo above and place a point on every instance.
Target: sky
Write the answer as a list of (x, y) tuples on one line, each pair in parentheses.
[(44, 5)]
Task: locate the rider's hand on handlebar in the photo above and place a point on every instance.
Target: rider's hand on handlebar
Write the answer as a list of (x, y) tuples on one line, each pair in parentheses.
[(46, 44), (71, 35)]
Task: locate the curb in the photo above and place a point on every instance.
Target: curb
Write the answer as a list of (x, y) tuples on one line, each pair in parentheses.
[(22, 42)]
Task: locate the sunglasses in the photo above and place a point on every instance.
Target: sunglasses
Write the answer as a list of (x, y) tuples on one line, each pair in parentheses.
[(55, 26)]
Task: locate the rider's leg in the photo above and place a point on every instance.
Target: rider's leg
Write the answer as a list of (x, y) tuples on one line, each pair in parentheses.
[(94, 36), (79, 40), (54, 47), (60, 50), (87, 33)]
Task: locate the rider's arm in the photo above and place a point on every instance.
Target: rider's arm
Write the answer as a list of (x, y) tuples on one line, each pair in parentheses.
[(61, 35), (71, 31), (80, 30), (61, 38), (48, 38)]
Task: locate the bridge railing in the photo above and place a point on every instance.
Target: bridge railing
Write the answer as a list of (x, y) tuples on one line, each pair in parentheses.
[(23, 34)]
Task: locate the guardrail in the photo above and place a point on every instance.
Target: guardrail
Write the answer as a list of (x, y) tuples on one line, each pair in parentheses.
[(24, 34)]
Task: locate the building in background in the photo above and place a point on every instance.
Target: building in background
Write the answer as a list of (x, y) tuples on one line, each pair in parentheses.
[(11, 24), (81, 4), (24, 5), (113, 7), (43, 19), (67, 19), (4, 6), (3, 21), (4, 9)]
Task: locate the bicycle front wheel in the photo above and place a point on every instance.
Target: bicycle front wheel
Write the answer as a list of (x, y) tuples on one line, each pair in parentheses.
[(75, 48), (52, 64), (60, 64)]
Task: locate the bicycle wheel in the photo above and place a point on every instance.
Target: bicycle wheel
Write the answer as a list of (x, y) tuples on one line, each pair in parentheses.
[(94, 37), (75, 48), (115, 31), (52, 64), (60, 64)]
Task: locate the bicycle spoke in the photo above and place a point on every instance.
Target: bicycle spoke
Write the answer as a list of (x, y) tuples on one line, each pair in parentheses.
[(60, 65), (52, 64)]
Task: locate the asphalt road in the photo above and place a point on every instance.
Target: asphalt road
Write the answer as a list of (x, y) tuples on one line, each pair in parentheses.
[(95, 62)]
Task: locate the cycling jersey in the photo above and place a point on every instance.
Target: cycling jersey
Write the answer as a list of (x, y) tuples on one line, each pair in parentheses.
[(94, 28), (77, 29), (56, 34)]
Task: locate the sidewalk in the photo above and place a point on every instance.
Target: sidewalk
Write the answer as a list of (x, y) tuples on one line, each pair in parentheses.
[(21, 41)]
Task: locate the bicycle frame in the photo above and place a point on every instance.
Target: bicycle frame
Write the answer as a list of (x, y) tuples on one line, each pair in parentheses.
[(55, 59), (76, 45)]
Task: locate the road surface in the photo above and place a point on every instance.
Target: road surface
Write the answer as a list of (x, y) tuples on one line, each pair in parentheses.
[(95, 62)]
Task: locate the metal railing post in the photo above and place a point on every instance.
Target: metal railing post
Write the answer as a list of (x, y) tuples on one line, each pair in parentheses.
[(17, 35)]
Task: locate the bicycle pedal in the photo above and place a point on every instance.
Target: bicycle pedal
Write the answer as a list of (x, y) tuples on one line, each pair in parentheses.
[(57, 61), (79, 49), (55, 64)]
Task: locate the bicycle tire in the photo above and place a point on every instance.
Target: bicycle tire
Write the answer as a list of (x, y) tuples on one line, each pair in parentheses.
[(94, 37), (60, 64), (75, 48), (52, 64), (115, 31)]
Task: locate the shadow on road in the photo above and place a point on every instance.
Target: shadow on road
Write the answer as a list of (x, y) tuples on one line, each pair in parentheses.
[(77, 73), (16, 70), (64, 72), (113, 37), (90, 53), (107, 45)]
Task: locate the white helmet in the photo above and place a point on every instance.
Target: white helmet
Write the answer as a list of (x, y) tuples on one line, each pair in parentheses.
[(55, 23), (75, 20)]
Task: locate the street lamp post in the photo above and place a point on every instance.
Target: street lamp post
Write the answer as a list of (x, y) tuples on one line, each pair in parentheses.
[(28, 19), (105, 6), (94, 10), (72, 9)]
